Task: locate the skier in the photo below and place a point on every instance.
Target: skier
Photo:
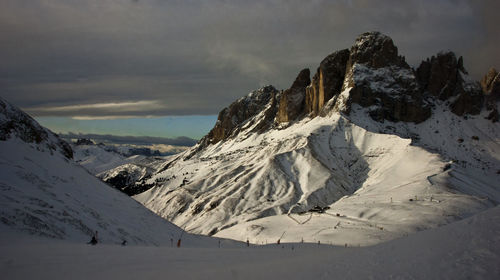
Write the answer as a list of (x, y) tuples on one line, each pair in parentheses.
[(93, 241)]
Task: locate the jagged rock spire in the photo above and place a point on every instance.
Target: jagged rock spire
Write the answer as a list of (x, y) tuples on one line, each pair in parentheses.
[(327, 82), (444, 76), (292, 100), (490, 85)]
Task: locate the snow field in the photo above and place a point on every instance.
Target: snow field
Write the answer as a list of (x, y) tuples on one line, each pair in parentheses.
[(468, 249), (383, 186)]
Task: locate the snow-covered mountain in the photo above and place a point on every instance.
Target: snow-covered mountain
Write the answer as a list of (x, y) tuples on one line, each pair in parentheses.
[(96, 158), (131, 178), (367, 150), (43, 192)]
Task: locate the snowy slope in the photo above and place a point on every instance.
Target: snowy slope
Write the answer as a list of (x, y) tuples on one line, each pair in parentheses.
[(467, 249), (44, 193), (131, 177), (96, 159), (375, 150), (258, 186)]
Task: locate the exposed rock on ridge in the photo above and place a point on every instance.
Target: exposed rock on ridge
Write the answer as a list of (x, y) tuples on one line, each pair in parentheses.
[(490, 85), (292, 101), (231, 119), (444, 77), (381, 79), (375, 50), (327, 82), (16, 122), (371, 74)]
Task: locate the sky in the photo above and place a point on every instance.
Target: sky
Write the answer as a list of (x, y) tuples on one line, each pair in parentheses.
[(121, 66)]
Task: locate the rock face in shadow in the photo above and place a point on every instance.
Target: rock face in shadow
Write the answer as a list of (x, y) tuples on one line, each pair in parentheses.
[(375, 50), (292, 101), (327, 82), (381, 79), (490, 84), (444, 77), (16, 122), (440, 75)]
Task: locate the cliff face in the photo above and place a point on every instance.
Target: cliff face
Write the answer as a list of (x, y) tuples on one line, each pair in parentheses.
[(327, 82), (443, 76), (231, 119), (291, 104), (372, 75), (381, 79), (490, 85)]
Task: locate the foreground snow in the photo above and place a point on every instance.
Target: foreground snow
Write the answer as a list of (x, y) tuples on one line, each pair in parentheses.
[(468, 249), (46, 194)]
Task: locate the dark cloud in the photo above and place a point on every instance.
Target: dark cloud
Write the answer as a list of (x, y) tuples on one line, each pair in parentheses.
[(188, 57)]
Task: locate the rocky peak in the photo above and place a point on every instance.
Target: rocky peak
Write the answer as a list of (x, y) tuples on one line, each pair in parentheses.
[(441, 75), (444, 76), (15, 123), (292, 101), (490, 85), (377, 77), (327, 82), (371, 74), (374, 50), (231, 119)]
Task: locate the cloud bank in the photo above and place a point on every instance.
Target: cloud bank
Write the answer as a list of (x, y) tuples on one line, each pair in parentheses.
[(98, 58)]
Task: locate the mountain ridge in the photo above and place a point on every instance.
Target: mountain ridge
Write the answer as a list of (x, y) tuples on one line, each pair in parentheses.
[(383, 80), (380, 137)]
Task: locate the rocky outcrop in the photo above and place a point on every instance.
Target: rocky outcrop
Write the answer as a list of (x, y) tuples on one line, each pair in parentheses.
[(14, 122), (84, 141), (381, 79), (292, 101), (327, 82), (469, 101), (371, 74), (375, 50), (443, 76), (232, 118), (490, 84)]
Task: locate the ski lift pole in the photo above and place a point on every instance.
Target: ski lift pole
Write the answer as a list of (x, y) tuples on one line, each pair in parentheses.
[(279, 240)]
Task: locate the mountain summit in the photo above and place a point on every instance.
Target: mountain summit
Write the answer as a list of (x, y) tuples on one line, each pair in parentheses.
[(366, 150), (371, 74)]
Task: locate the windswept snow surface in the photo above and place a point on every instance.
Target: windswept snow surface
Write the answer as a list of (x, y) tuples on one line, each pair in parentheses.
[(468, 249), (96, 159), (380, 180), (45, 194)]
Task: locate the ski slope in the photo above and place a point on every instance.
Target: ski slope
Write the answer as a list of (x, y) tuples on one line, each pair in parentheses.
[(468, 249), (44, 193)]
